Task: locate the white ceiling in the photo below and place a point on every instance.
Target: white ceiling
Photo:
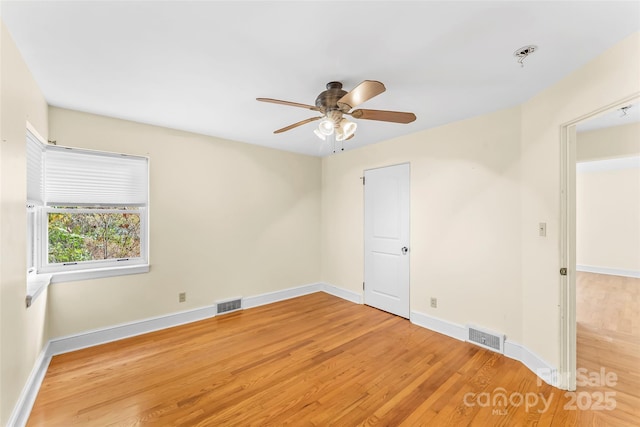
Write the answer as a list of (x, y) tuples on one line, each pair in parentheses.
[(615, 117), (199, 66)]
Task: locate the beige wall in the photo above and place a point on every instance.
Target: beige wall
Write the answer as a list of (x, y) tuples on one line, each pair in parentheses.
[(465, 211), (479, 190), (608, 199), (608, 79), (608, 219), (608, 143), (226, 219), (22, 331)]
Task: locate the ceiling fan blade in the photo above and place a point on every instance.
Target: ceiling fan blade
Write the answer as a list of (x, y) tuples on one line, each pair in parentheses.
[(292, 104), (384, 116), (361, 93), (300, 123)]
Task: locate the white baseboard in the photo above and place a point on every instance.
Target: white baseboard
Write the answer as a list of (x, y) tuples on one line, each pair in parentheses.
[(284, 294), (537, 365), (127, 330), (27, 398), (346, 294), (608, 271), (271, 297), (444, 327)]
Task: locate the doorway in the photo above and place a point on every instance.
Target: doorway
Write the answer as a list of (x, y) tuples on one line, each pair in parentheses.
[(568, 243), (386, 238)]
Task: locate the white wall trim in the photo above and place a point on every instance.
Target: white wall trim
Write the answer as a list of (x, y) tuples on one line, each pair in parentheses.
[(545, 371), (608, 271), (97, 273), (284, 294), (441, 326), (126, 330), (113, 333), (346, 294), (22, 409), (537, 365)]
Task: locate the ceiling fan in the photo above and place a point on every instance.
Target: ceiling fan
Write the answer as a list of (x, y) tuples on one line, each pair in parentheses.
[(335, 103)]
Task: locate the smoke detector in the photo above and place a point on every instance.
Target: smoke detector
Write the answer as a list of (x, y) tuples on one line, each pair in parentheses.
[(624, 110), (523, 52)]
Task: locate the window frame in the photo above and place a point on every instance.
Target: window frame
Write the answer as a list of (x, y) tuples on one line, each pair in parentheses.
[(39, 272), (32, 238), (45, 266)]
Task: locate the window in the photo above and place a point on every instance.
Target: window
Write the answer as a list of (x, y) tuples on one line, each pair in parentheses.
[(78, 237), (86, 212), (35, 157), (31, 238)]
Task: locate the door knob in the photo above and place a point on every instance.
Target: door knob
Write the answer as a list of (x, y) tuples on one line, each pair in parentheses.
[(405, 250)]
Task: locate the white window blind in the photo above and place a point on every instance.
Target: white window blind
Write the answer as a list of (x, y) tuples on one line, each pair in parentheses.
[(35, 156), (74, 177)]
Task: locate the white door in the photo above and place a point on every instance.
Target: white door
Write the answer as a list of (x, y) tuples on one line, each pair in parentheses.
[(386, 239)]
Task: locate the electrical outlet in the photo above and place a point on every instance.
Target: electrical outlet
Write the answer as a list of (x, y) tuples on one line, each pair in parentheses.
[(434, 302), (182, 297)]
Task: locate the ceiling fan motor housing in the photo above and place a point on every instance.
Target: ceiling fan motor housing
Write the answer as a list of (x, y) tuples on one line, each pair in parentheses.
[(334, 103), (327, 101)]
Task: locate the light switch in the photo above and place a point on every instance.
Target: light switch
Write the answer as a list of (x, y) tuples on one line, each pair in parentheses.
[(542, 229)]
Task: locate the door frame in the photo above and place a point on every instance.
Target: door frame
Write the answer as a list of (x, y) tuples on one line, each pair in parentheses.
[(364, 301), (568, 322)]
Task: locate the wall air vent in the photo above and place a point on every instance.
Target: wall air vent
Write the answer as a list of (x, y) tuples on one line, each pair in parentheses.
[(228, 306), (484, 338)]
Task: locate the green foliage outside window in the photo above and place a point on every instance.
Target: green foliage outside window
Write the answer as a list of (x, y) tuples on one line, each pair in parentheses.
[(75, 237)]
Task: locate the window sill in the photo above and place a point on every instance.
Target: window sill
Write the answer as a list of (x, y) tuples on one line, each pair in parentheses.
[(98, 273), (36, 283)]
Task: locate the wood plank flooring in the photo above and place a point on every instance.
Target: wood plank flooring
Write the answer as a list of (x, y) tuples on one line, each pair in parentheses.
[(608, 315), (311, 361)]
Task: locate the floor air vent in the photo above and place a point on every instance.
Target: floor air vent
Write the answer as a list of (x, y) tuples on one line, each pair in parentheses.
[(228, 305), (487, 339)]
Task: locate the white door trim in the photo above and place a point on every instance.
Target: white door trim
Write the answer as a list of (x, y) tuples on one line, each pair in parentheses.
[(567, 243)]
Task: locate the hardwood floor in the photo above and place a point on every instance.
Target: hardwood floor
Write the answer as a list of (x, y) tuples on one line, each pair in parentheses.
[(314, 360), (608, 315)]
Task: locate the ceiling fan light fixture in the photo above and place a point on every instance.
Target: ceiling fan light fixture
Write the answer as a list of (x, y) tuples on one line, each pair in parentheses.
[(335, 102), (345, 130), (349, 128), (326, 127)]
